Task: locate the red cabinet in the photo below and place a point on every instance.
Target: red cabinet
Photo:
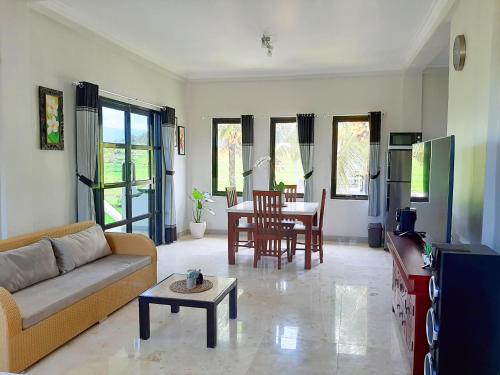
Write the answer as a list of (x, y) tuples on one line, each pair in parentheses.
[(410, 298)]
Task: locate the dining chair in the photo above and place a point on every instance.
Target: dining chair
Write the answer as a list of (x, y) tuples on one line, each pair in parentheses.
[(317, 232), (290, 193), (269, 228), (241, 227)]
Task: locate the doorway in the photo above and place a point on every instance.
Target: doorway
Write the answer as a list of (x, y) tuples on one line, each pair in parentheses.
[(125, 201)]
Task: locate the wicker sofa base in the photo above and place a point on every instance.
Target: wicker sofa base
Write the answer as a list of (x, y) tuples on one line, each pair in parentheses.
[(30, 345)]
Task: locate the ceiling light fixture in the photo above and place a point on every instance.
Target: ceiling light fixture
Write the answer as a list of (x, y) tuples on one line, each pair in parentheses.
[(266, 43)]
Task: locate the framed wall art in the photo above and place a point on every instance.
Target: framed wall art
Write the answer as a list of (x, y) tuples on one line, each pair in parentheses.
[(50, 104), (181, 140)]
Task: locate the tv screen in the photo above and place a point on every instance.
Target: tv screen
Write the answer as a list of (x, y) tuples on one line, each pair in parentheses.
[(420, 172)]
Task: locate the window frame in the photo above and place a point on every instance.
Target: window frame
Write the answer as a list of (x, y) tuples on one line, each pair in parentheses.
[(216, 121), (333, 187), (272, 147)]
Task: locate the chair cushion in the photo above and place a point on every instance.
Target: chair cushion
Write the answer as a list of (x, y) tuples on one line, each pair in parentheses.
[(28, 265), (75, 250), (42, 300)]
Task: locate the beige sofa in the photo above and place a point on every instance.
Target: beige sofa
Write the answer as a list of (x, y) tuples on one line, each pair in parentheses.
[(36, 320)]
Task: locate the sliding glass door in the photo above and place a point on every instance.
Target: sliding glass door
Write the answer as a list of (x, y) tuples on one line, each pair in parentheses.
[(125, 202)]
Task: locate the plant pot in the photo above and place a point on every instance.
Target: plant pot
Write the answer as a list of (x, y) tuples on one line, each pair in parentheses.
[(197, 229)]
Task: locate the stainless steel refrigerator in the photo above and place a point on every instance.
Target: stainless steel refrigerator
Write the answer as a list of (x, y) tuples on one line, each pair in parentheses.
[(397, 186)]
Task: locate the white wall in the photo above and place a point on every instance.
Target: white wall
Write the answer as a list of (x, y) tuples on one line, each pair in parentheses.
[(264, 99), (38, 187), (491, 216), (472, 117), (434, 103)]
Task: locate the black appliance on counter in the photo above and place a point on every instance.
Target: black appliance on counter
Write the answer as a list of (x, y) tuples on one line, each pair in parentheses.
[(406, 218), (463, 324)]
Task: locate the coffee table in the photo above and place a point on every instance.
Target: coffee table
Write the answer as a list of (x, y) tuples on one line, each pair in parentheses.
[(162, 295)]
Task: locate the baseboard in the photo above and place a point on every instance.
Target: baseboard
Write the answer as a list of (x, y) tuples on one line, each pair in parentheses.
[(216, 231), (343, 239), (183, 233), (346, 239)]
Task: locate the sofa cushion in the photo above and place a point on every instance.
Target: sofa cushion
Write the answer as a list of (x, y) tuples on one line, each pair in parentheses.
[(77, 249), (28, 265), (42, 300)]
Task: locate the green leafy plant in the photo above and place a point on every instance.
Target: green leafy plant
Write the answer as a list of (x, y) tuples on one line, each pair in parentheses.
[(200, 201), (279, 186), (427, 249)]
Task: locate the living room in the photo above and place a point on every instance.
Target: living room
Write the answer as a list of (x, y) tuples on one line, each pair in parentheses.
[(429, 67)]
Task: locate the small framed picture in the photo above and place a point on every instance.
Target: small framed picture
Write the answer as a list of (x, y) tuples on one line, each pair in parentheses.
[(50, 104), (181, 140), (175, 132)]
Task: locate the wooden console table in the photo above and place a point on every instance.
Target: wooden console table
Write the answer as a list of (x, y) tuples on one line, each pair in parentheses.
[(410, 299)]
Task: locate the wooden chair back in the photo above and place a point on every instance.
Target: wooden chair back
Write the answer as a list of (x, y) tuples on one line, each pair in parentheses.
[(322, 209), (231, 196), (267, 210), (268, 220), (290, 193)]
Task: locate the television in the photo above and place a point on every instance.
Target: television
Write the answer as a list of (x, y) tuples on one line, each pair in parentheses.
[(431, 188)]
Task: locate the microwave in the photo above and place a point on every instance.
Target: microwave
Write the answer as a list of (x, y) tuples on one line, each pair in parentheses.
[(403, 141)]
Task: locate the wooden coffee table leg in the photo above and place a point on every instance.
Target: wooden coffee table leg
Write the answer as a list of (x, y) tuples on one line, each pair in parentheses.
[(174, 309), (144, 319), (233, 303), (212, 326)]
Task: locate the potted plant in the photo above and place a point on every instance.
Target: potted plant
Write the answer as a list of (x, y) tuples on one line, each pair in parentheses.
[(200, 200), (281, 188)]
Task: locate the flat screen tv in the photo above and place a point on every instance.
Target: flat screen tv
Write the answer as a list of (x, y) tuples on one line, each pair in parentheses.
[(432, 187)]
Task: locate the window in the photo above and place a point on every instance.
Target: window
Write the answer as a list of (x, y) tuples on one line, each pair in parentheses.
[(350, 157), (126, 197), (227, 163), (286, 165)]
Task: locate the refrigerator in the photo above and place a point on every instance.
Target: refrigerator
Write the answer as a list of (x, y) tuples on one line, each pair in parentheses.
[(397, 184)]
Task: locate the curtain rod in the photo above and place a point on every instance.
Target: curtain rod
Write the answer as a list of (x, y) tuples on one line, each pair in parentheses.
[(79, 84), (320, 115)]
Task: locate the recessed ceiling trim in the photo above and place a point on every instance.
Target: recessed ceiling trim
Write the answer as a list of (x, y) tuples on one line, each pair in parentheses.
[(435, 18), (329, 42)]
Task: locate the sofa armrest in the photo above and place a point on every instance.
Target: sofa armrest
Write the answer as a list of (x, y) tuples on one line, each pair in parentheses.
[(10, 326), (131, 244)]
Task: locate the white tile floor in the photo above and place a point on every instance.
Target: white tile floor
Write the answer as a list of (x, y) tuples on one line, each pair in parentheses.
[(333, 319)]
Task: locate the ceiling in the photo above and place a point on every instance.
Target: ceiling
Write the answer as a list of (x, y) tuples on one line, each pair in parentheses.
[(207, 39)]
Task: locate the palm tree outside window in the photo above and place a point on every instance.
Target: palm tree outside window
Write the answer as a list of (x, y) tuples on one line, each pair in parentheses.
[(350, 157), (227, 163)]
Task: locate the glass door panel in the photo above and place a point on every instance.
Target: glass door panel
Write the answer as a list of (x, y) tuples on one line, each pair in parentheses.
[(126, 168), (113, 125), (114, 165), (141, 226), (141, 165), (115, 204), (140, 200), (139, 129)]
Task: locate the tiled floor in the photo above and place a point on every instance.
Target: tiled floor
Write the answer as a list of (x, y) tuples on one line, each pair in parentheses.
[(333, 319)]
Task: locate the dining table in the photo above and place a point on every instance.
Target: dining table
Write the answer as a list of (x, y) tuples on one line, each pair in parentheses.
[(305, 212)]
